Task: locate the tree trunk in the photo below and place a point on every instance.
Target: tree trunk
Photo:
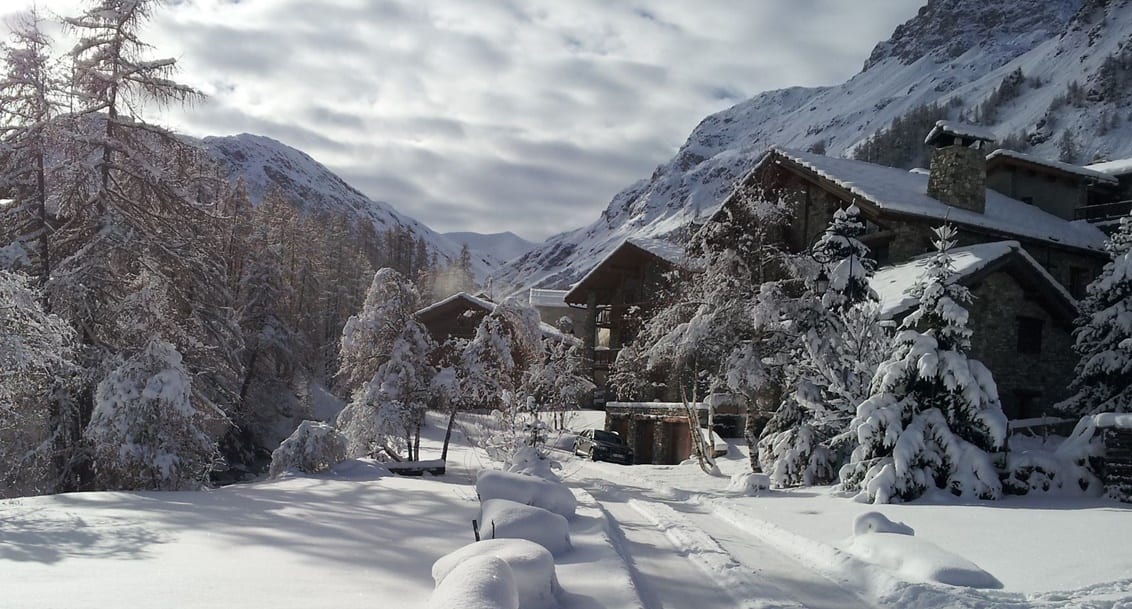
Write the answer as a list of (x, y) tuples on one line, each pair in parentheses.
[(448, 433)]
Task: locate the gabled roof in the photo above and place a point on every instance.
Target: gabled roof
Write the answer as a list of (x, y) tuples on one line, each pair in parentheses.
[(971, 263), (547, 298), (475, 302), (1119, 167), (899, 191), (1075, 171), (634, 247)]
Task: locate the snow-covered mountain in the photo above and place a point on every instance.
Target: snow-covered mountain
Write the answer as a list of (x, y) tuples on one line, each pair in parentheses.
[(498, 247), (264, 163), (955, 59)]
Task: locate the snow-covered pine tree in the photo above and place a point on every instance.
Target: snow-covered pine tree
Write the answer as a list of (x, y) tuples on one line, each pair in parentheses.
[(312, 448), (387, 413), (1103, 378), (146, 432), (38, 375), (838, 343), (367, 338), (557, 383), (29, 92), (933, 415)]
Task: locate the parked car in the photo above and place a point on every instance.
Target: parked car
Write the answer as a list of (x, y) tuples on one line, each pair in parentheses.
[(601, 445)]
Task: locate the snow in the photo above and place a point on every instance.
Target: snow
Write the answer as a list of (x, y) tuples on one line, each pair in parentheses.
[(1117, 167), (919, 560), (1109, 419), (1085, 172), (481, 582), (945, 127), (532, 567), (528, 490), (900, 191), (891, 283), (665, 250), (506, 519), (875, 522)]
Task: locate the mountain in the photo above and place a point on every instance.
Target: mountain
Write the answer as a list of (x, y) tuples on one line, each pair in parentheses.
[(1052, 77), (498, 247), (265, 163)]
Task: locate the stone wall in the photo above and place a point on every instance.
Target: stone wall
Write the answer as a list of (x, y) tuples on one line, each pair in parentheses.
[(998, 301)]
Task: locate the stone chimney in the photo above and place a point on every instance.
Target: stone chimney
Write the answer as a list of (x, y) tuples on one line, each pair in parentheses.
[(959, 166)]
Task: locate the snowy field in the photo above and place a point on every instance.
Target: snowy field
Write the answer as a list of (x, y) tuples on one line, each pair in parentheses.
[(644, 536)]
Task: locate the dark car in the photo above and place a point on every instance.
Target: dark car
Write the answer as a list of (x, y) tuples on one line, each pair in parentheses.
[(601, 445)]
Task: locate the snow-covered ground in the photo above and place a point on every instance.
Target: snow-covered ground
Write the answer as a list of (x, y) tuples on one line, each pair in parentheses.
[(643, 536)]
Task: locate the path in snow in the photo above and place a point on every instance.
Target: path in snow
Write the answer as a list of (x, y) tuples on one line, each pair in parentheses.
[(685, 555)]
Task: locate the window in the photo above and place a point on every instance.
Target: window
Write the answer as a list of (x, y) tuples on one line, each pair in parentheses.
[(1078, 281), (1030, 334)]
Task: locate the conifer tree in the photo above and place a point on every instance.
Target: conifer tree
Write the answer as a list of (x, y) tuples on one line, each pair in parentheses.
[(933, 415), (1103, 378), (367, 338)]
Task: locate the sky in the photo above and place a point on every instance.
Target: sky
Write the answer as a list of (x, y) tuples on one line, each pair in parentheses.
[(495, 115)]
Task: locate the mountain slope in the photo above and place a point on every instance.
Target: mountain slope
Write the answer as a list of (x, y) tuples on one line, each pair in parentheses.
[(497, 247), (265, 163), (1074, 55)]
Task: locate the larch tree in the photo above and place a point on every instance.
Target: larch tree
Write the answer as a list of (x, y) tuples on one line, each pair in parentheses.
[(1102, 381), (30, 90), (367, 338), (933, 415)]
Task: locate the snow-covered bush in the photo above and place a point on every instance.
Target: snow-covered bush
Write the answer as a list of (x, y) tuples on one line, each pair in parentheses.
[(313, 447), (531, 564), (530, 461), (1068, 469), (553, 496), (933, 414), (506, 519), (145, 431), (481, 582), (875, 522), (1103, 379)]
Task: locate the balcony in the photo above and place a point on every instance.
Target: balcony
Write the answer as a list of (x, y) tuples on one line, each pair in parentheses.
[(1103, 211)]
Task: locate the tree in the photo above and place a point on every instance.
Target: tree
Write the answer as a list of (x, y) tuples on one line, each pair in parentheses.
[(29, 91), (1103, 377), (312, 448), (558, 382), (388, 412), (145, 432), (39, 374), (367, 338), (837, 344), (933, 415)]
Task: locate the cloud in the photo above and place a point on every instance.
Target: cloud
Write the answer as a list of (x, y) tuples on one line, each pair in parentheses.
[(489, 115)]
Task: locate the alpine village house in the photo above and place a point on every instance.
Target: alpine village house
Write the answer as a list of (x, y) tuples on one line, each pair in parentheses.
[(1031, 238)]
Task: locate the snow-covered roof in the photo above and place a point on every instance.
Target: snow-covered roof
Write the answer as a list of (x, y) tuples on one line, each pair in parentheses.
[(547, 298), (899, 191), (892, 283), (1118, 167), (945, 127), (664, 250), (1077, 170), (6, 202), (653, 405), (547, 330)]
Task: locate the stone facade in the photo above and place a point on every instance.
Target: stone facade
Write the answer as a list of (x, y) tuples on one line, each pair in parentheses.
[(1029, 383), (959, 176)]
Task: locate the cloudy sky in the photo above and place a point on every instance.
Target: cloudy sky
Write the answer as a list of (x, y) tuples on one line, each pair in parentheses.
[(493, 115)]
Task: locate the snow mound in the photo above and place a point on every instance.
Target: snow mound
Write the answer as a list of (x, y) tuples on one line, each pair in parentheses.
[(506, 519), (359, 469), (917, 559), (482, 582), (875, 522), (748, 483), (529, 490), (529, 461), (531, 564)]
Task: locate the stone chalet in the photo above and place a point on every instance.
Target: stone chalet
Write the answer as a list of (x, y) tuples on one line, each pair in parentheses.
[(1031, 237)]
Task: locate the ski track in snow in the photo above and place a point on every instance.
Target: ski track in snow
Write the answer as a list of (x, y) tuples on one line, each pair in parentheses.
[(661, 542)]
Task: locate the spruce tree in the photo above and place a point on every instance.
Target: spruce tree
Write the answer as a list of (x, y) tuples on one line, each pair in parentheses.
[(1103, 378), (933, 415)]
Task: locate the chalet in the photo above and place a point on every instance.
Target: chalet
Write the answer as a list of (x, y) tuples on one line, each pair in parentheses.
[(1106, 210), (1030, 240), (616, 293), (458, 316), (553, 309)]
